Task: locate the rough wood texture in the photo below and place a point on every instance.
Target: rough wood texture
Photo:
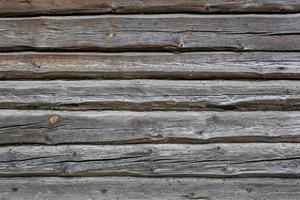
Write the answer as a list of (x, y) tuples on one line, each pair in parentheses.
[(150, 95), (107, 127), (157, 139), (200, 65), (150, 188), (152, 33), (174, 160), (49, 7)]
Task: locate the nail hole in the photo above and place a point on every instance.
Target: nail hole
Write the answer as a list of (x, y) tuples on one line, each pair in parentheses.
[(249, 189), (281, 68), (103, 191)]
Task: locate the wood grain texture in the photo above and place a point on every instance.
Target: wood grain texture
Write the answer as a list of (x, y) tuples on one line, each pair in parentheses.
[(152, 33), (198, 65), (150, 95), (104, 188), (171, 160), (50, 7), (123, 127)]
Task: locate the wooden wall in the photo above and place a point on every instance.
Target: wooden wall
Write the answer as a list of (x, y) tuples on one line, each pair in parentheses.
[(139, 99)]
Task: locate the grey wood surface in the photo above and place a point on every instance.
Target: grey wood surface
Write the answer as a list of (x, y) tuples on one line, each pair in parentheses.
[(178, 32), (196, 65), (49, 7), (172, 160), (139, 135), (148, 188), (123, 127), (151, 95)]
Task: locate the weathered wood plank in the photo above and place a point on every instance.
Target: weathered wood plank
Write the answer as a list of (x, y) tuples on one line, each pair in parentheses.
[(151, 95), (152, 33), (207, 160), (104, 188), (50, 7), (108, 127), (199, 65)]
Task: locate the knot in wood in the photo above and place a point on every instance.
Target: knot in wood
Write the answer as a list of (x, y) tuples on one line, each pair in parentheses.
[(115, 25), (67, 171), (135, 124), (180, 45), (157, 137), (53, 119), (110, 35)]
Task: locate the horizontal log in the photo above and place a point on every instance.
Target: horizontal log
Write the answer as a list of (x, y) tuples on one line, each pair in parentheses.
[(199, 65), (207, 160), (148, 188), (50, 7), (152, 33), (123, 127), (150, 95)]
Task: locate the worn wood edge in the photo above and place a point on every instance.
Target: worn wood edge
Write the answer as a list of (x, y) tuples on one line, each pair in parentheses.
[(134, 94), (90, 174), (58, 7), (148, 188), (172, 160), (200, 65), (93, 75), (124, 127)]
